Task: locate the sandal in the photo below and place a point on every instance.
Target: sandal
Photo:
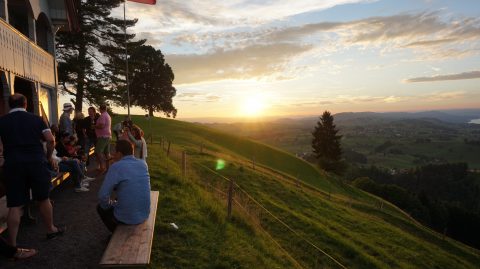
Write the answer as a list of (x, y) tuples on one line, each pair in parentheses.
[(24, 253), (60, 231)]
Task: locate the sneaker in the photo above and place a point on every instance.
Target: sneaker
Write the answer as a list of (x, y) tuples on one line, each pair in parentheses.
[(81, 189), (88, 179), (85, 184)]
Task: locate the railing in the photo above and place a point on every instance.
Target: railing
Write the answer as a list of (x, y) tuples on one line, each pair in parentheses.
[(24, 58)]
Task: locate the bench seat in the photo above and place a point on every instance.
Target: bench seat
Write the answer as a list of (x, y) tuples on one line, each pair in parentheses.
[(62, 176), (131, 245)]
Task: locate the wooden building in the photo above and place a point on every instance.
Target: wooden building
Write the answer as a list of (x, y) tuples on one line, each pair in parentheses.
[(27, 51)]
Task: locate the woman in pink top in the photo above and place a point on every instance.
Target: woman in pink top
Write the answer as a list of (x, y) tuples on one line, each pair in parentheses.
[(104, 135)]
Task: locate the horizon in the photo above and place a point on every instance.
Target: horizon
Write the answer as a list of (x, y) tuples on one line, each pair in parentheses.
[(239, 61), (230, 120)]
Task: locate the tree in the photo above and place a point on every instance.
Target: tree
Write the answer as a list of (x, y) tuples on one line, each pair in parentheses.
[(90, 60), (326, 144), (151, 81)]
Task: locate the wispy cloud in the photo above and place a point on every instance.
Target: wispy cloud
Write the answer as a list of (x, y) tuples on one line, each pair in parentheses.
[(197, 97), (430, 35), (193, 13), (256, 61), (390, 99), (459, 76)]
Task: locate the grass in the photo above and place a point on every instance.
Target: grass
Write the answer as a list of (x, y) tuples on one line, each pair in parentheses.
[(340, 220)]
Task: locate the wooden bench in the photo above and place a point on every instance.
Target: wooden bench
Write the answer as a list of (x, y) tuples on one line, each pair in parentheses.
[(131, 245)]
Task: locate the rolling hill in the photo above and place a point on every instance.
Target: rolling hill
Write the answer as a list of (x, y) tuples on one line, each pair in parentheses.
[(286, 213)]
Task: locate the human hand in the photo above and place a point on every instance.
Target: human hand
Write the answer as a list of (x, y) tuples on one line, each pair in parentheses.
[(53, 164)]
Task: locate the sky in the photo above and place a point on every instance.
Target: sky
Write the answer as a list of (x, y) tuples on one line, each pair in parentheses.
[(252, 58)]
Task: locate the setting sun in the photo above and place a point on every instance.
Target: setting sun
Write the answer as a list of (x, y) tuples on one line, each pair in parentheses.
[(252, 106)]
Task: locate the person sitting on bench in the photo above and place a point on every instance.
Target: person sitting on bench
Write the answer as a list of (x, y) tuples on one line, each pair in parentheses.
[(68, 163), (130, 180)]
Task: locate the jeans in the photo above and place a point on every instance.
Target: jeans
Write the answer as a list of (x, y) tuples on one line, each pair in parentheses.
[(74, 167), (108, 218)]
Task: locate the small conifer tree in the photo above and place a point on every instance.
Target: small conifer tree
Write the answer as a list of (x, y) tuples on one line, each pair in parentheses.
[(326, 144)]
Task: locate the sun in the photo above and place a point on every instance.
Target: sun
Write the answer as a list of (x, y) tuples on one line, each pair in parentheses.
[(252, 106)]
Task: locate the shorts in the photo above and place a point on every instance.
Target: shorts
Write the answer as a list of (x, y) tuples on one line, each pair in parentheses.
[(20, 178), (103, 145)]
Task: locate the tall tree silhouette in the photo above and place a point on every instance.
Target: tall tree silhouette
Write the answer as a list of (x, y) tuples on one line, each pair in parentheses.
[(92, 60), (151, 81), (326, 144)]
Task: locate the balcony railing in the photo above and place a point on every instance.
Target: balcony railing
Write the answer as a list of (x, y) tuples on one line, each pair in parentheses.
[(24, 58)]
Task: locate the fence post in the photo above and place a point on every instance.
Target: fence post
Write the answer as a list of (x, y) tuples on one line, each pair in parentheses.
[(168, 148), (230, 199), (184, 164)]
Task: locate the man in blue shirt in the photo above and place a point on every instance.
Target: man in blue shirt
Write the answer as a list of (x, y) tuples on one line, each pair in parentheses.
[(130, 180), (25, 167)]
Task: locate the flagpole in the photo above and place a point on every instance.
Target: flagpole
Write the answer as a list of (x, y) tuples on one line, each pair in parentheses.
[(126, 55)]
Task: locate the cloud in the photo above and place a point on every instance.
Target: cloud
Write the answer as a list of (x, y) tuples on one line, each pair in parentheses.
[(426, 43), (192, 13), (459, 76), (366, 100), (197, 97), (430, 35), (429, 27), (257, 61), (439, 96)]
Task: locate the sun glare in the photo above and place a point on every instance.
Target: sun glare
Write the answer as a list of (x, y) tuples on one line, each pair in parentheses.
[(252, 106)]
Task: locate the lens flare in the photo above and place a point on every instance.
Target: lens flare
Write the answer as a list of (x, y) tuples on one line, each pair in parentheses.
[(220, 164)]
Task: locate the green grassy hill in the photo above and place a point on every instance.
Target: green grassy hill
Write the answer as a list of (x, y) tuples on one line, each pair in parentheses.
[(286, 213)]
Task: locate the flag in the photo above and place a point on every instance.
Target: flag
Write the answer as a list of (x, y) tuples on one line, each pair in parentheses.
[(150, 2)]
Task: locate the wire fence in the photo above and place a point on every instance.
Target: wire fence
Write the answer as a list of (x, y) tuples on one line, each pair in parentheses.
[(308, 253)]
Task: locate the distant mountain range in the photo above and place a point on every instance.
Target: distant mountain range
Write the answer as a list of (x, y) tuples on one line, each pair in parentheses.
[(354, 118)]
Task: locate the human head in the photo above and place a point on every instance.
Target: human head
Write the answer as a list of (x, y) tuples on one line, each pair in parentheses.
[(65, 137), (67, 107), (137, 132), (103, 108), (17, 100), (91, 111), (123, 148)]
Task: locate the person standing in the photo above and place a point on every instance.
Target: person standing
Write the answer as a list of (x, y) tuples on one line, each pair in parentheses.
[(78, 126), (89, 125), (65, 123), (130, 179), (103, 132), (135, 135), (21, 134)]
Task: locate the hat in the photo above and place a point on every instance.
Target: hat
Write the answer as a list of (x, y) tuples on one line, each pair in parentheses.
[(67, 107)]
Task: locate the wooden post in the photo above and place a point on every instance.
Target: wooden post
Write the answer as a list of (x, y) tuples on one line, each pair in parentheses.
[(184, 164), (168, 148), (230, 199)]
